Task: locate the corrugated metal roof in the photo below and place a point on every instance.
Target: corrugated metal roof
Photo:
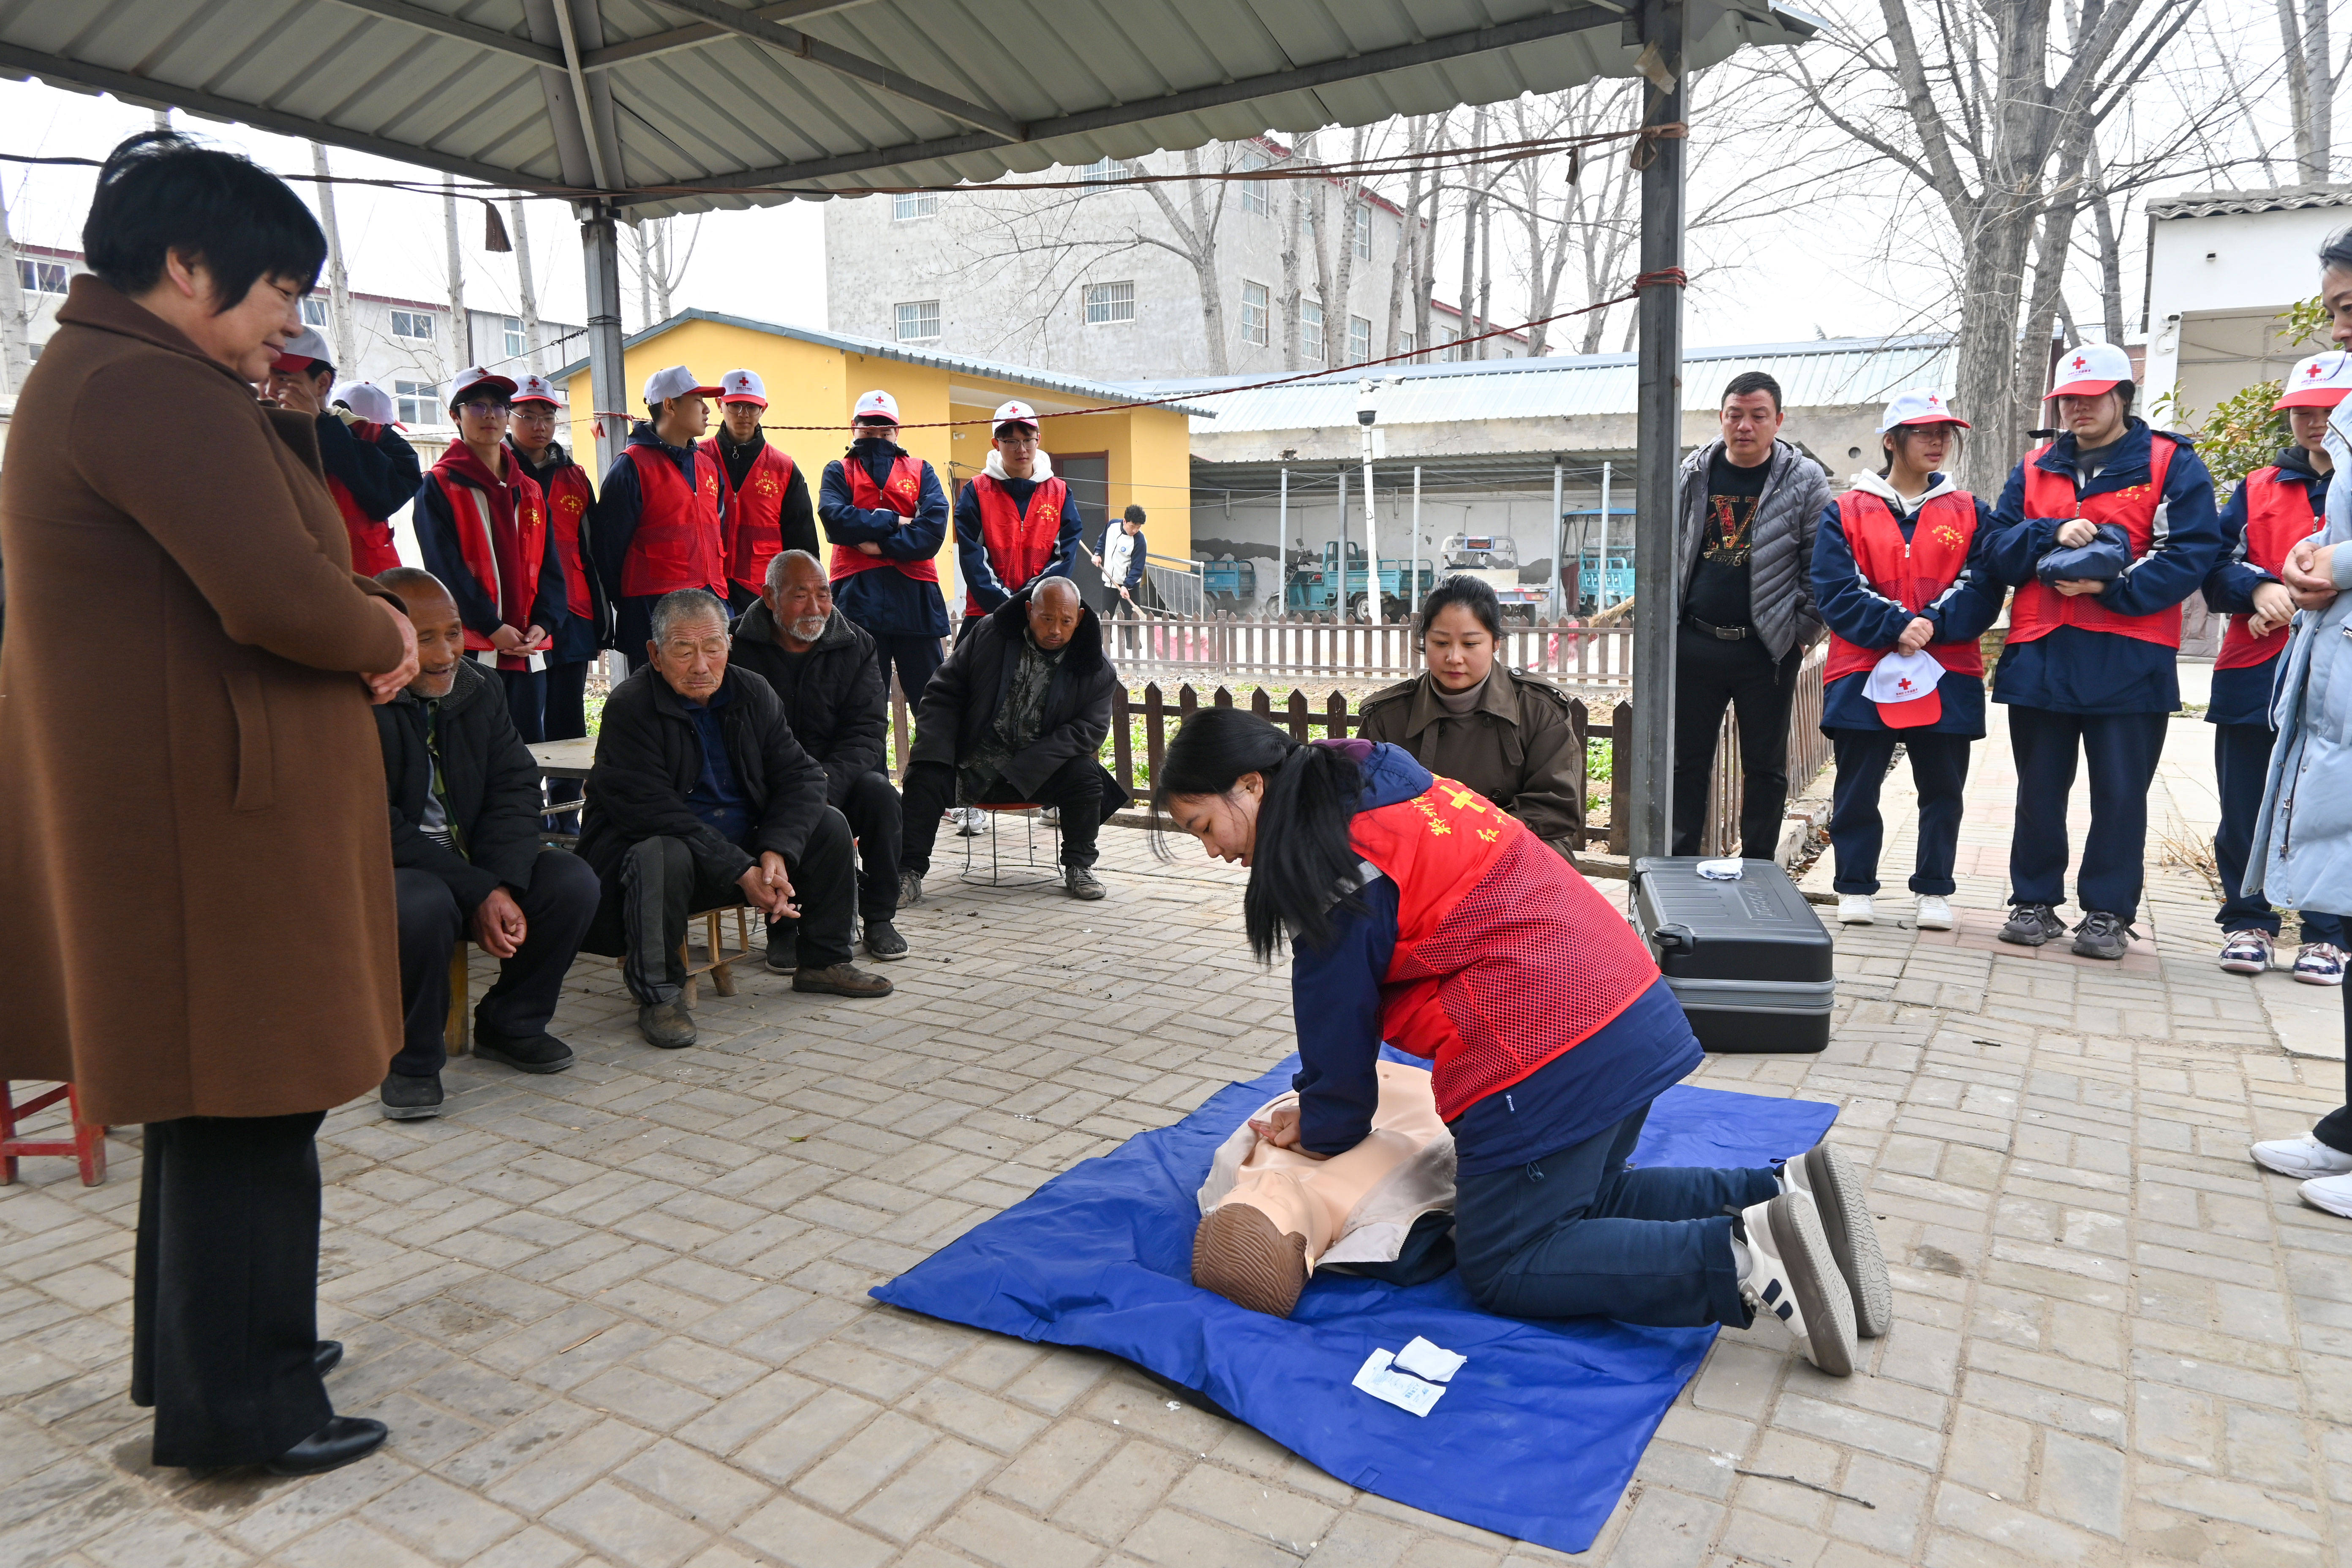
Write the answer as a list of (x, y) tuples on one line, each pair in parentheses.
[(2282, 198), (916, 91), (1839, 370), (991, 370)]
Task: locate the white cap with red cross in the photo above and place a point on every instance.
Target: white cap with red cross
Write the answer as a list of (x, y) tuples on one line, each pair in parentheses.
[(2320, 382), (2089, 370)]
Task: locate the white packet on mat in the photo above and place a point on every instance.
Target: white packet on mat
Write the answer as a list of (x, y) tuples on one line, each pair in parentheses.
[(1379, 1378), (1720, 870), (1425, 1360)]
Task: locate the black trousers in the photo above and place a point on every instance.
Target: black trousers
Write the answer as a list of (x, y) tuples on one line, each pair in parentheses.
[(1709, 673), (2334, 1129), (877, 820), (557, 906), (1076, 788), (1940, 767), (2123, 750), (659, 885), (2241, 764), (225, 1287), (916, 658), (567, 719), (526, 702)]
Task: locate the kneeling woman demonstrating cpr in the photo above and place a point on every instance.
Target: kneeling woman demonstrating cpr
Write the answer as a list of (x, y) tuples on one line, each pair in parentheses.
[(1420, 914)]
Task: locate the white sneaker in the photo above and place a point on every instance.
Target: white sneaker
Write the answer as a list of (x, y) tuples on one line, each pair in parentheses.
[(1854, 909), (2305, 1156), (2333, 1194), (970, 820), (1834, 1184), (1792, 1275), (1934, 912)]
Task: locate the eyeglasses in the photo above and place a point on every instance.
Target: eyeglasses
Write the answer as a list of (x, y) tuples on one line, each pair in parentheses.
[(484, 407)]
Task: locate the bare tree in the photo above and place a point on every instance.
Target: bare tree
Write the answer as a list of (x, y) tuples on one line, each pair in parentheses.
[(1196, 239), (2310, 86), (1404, 267), (461, 326), (339, 283), (15, 353), (660, 266), (533, 334), (1295, 214)]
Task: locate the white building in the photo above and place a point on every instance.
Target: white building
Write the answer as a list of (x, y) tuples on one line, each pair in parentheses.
[(1099, 283), (2221, 265)]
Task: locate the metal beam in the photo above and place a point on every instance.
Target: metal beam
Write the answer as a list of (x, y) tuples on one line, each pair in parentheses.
[(473, 32), (581, 106), (1657, 424), (818, 52), (699, 33)]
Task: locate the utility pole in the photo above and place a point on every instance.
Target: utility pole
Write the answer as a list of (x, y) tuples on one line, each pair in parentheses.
[(338, 283), (1366, 411), (461, 330), (1657, 425)]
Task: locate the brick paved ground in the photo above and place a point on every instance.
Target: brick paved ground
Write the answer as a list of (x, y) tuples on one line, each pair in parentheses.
[(619, 1315)]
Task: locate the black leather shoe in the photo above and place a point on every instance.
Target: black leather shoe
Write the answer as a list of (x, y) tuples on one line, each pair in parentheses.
[(342, 1440), (883, 941), (327, 1356), (542, 1052), (405, 1099)]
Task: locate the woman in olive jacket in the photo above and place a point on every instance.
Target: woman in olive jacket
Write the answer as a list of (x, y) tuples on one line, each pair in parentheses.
[(1514, 738)]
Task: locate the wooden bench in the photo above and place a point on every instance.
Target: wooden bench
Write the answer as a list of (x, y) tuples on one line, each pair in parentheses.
[(88, 1144), (717, 961)]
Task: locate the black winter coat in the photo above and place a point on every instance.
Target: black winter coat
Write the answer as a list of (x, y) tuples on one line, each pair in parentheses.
[(490, 780), (836, 696), (649, 756), (964, 698)]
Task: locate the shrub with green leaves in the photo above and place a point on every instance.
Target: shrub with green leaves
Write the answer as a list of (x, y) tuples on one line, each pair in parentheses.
[(2242, 433)]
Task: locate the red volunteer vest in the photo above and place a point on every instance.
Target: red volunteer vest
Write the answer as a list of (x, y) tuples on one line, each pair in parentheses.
[(1506, 958), (371, 547), (2039, 609), (1910, 571), (903, 496), (1018, 547), (2278, 517), (676, 545), (569, 497), (752, 519), (508, 575)]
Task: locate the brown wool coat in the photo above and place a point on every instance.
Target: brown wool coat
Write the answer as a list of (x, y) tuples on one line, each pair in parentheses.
[(1521, 747), (196, 865)]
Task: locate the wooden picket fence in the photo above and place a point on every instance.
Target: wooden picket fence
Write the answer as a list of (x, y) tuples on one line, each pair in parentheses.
[(1160, 647)]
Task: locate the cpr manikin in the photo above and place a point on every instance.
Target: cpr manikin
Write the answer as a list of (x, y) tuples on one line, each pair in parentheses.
[(1270, 1216)]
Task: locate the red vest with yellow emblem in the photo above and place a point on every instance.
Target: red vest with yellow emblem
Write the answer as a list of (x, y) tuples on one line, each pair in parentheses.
[(2278, 517), (1911, 572), (903, 495), (371, 547), (569, 497), (1018, 547), (676, 545), (503, 538), (2039, 609), (1506, 958), (752, 519)]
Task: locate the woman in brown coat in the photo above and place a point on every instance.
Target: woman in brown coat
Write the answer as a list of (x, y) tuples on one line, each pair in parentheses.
[(1511, 737), (185, 746)]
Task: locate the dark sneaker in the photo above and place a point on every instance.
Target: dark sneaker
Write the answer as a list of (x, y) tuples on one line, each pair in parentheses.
[(2103, 935), (406, 1099), (883, 941), (541, 1053), (784, 948), (666, 1023), (2031, 925), (842, 980), (910, 889), (1080, 883)]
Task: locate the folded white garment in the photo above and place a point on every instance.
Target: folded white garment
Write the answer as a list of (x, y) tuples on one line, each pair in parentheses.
[(1425, 1360)]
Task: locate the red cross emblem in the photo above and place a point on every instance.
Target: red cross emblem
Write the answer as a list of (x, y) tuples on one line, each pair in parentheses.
[(1934, 401), (1904, 684), (2080, 362), (2313, 373)]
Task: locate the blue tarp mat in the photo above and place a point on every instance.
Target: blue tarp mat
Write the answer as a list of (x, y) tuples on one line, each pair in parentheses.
[(1534, 1439)]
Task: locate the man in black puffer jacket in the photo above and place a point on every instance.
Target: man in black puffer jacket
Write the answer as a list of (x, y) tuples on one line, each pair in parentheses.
[(466, 860), (828, 673), (701, 798), (1018, 713)]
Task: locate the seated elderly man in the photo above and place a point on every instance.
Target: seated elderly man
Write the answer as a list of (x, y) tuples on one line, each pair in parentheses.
[(701, 798), (828, 672), (1017, 714), (467, 859)]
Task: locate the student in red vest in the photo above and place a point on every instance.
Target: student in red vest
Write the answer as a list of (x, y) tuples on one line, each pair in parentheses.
[(2273, 510), (1410, 905), (1898, 568), (564, 486), (656, 527), (886, 517), (1014, 521), (766, 510), (481, 523), (371, 471), (2088, 670)]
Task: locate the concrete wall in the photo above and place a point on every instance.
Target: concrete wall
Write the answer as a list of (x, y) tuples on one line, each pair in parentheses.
[(2214, 285)]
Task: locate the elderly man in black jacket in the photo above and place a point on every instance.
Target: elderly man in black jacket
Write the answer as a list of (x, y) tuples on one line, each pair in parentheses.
[(701, 798), (1018, 713), (828, 673), (466, 860)]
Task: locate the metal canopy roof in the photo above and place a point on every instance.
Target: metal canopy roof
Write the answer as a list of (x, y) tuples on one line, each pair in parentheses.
[(838, 94)]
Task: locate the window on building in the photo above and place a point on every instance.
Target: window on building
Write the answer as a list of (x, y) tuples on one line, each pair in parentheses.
[(42, 277), (1361, 224), (1254, 192), (1310, 328), (420, 402), (314, 310), (1109, 303), (1103, 171), (908, 204), (1255, 313), (919, 321), (1405, 342), (1359, 339), (516, 344), (412, 326)]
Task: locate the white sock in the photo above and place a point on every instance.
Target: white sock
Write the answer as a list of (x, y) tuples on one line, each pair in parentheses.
[(1742, 1260)]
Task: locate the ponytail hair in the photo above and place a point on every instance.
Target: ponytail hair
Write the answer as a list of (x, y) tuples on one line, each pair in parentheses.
[(1303, 867)]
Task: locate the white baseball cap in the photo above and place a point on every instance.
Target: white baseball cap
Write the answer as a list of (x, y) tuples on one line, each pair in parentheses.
[(536, 389), (675, 382), (369, 401), (2320, 382), (302, 351), (743, 386), (1923, 406), (876, 405), (474, 378), (2088, 370), (1014, 412), (1904, 686)]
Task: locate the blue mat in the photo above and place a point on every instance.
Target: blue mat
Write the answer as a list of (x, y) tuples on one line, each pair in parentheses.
[(1534, 1439)]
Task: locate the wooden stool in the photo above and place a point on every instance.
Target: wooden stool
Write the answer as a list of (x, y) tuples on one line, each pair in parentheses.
[(995, 877), (718, 963), (457, 1034), (88, 1144)]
